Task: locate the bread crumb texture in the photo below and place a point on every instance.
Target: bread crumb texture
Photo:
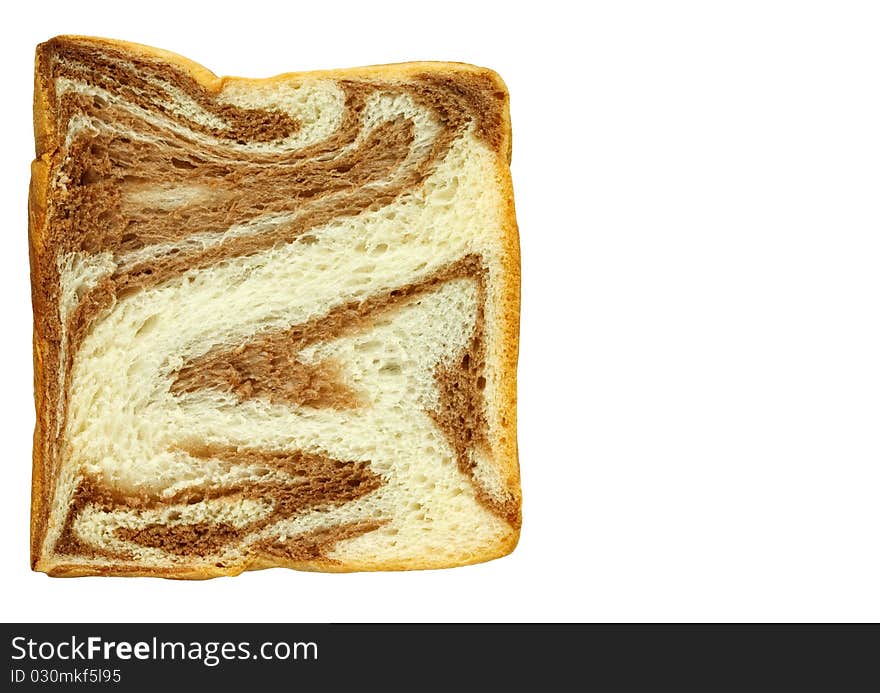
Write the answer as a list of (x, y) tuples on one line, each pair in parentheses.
[(275, 320)]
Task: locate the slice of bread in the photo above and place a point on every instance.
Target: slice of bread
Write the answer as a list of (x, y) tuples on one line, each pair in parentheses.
[(275, 320)]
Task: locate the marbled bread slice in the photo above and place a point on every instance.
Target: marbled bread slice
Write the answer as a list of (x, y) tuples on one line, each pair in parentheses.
[(275, 319)]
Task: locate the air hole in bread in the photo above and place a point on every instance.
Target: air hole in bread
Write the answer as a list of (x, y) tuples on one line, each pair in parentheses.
[(90, 176), (182, 164)]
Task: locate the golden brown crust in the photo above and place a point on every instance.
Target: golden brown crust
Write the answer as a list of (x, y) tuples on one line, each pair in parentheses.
[(36, 227), (47, 144), (510, 339), (40, 168)]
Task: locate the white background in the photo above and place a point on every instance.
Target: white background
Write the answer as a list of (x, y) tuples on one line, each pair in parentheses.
[(697, 191)]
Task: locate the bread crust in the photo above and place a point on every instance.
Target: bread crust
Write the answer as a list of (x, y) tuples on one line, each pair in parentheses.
[(47, 146)]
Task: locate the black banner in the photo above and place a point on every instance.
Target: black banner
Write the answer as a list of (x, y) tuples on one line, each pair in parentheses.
[(121, 657)]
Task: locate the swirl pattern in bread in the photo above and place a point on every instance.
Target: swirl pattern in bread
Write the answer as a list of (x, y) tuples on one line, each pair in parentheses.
[(275, 320)]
